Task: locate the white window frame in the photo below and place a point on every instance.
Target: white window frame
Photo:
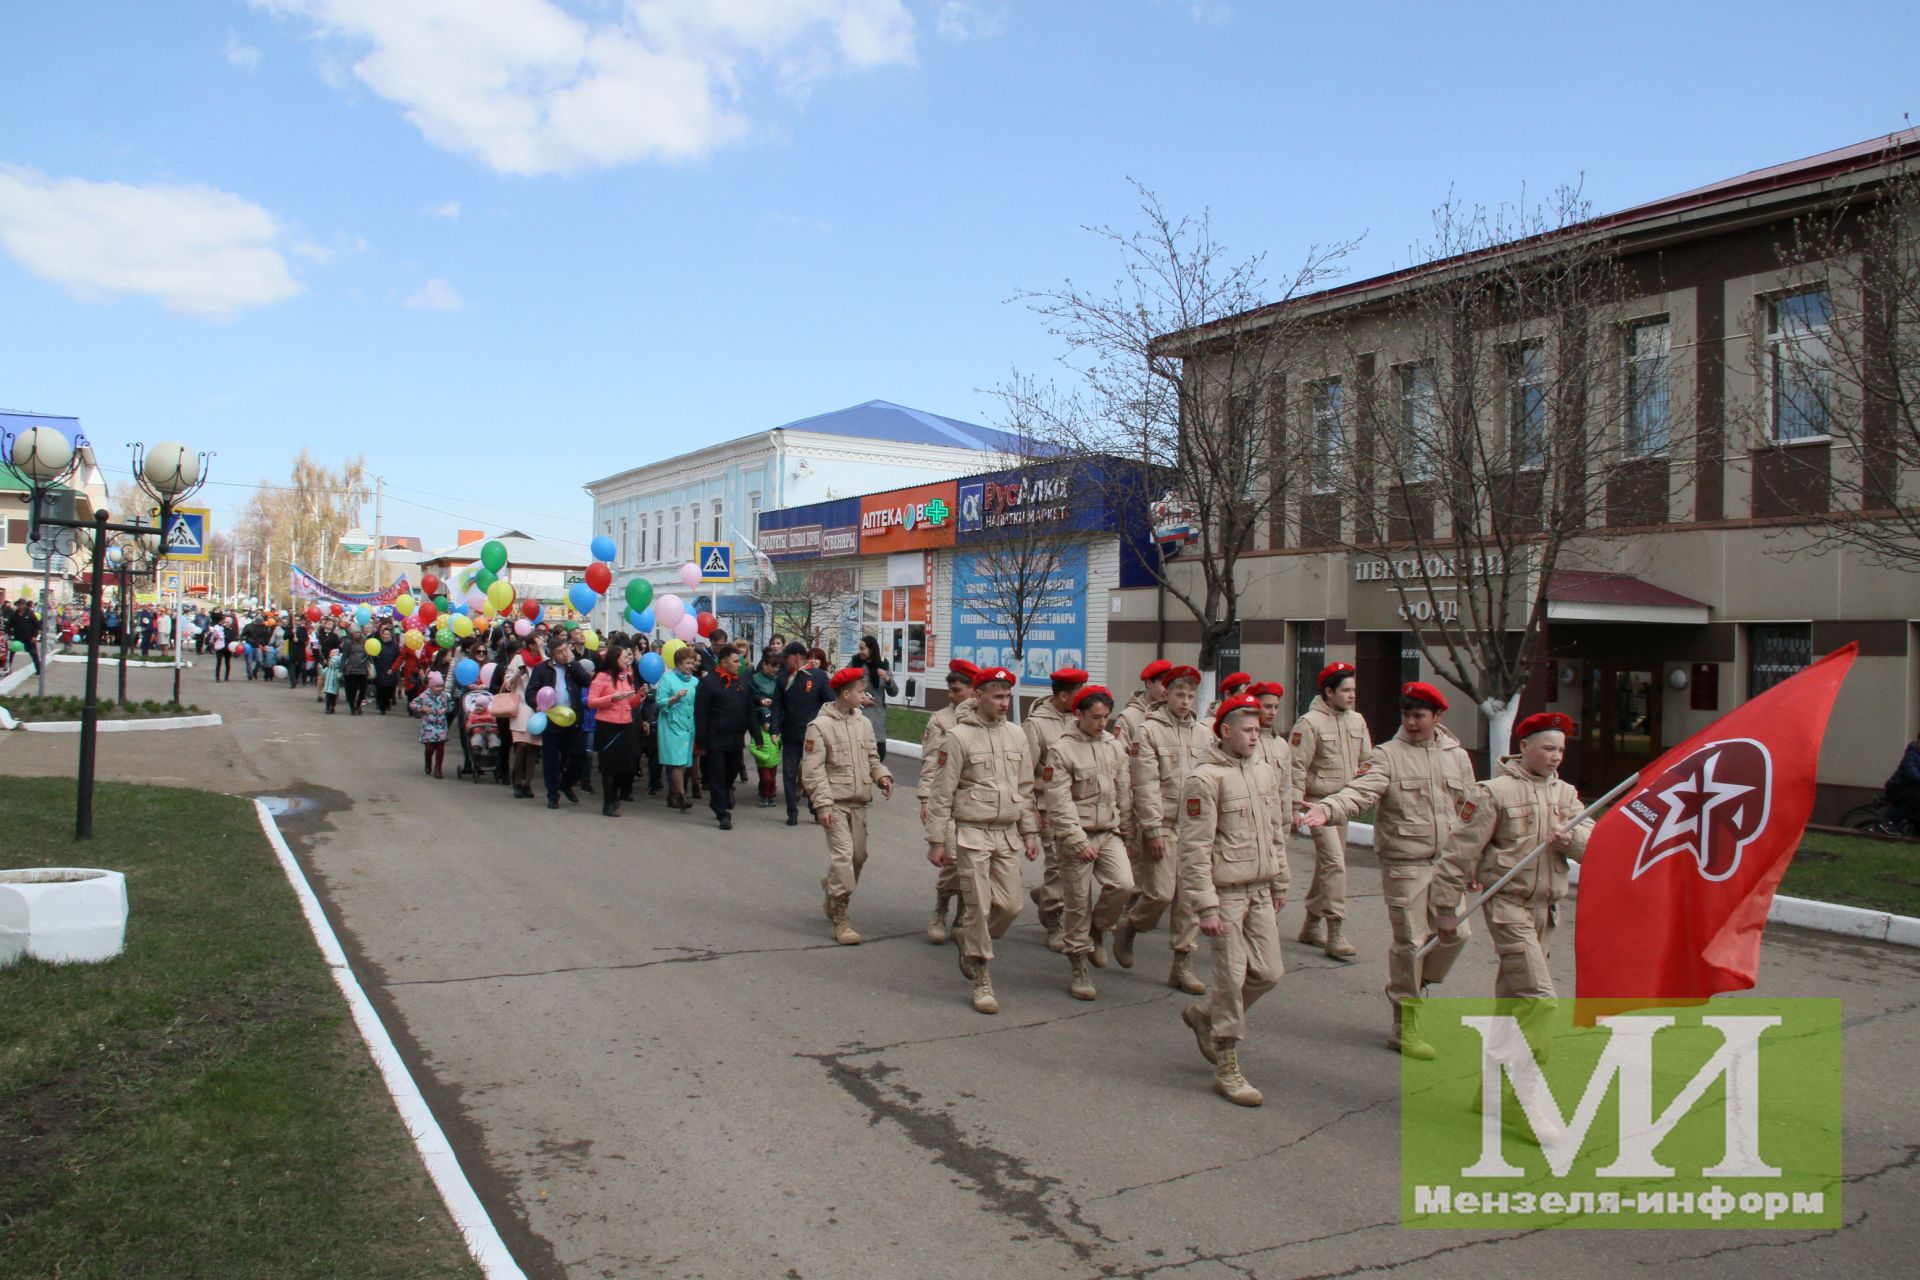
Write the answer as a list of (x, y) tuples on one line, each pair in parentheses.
[(626, 541), (1781, 347), (717, 521), (659, 535), (1651, 376), (676, 534)]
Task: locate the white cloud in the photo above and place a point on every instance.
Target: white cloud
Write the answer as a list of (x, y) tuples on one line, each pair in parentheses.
[(243, 56), (529, 88), (437, 295), (448, 209), (966, 20), (196, 250)]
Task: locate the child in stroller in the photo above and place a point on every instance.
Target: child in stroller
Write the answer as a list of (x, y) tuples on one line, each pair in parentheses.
[(482, 734)]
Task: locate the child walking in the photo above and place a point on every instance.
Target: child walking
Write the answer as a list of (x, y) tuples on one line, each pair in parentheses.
[(330, 680), (433, 707)]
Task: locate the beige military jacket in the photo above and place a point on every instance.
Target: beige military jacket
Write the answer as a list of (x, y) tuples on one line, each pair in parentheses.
[(1126, 725), (1420, 788), (1328, 747), (983, 777), (1503, 820), (1162, 758), (939, 725), (1232, 828), (1044, 725), (840, 765), (1085, 788), (1276, 751)]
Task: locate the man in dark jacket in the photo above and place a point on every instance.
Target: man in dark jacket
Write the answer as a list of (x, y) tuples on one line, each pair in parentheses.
[(1903, 794), (23, 624), (563, 749), (724, 713), (799, 693)]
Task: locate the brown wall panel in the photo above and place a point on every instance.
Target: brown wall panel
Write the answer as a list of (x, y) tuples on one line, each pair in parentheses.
[(1878, 639)]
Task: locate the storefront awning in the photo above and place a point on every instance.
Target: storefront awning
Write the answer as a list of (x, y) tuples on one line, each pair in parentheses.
[(1577, 595)]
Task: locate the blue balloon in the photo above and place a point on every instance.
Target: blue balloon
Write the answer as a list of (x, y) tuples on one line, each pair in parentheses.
[(643, 621), (537, 723), (582, 597), (603, 548), (363, 615), (540, 615), (461, 607), (652, 667), (466, 671)]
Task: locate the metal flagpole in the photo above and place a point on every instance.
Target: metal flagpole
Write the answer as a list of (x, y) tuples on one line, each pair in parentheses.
[(1468, 909)]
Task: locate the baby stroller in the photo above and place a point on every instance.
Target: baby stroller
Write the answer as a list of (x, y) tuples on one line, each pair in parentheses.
[(480, 735)]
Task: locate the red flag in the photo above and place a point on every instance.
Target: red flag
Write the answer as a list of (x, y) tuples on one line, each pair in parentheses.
[(1678, 876)]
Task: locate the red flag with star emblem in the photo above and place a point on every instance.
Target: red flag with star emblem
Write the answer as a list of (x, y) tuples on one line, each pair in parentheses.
[(1679, 875)]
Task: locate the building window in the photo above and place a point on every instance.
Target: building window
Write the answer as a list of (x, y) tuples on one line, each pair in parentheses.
[(626, 541), (717, 523), (1776, 651), (1327, 403), (1419, 421), (1409, 658), (1309, 656), (1649, 415), (1798, 380), (659, 536), (693, 530), (1527, 405), (676, 533)]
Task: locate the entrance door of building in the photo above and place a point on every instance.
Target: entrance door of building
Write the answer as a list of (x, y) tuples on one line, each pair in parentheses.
[(1619, 725)]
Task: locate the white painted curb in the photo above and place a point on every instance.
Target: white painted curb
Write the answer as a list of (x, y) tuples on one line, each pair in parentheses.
[(901, 747), (107, 658), (476, 1228), (20, 675), (117, 726)]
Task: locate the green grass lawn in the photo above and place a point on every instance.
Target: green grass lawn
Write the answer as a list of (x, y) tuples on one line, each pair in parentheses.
[(31, 707), (1883, 875), (201, 1106), (906, 724)]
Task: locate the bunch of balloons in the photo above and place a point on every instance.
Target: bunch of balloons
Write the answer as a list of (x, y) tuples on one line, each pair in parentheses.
[(585, 596)]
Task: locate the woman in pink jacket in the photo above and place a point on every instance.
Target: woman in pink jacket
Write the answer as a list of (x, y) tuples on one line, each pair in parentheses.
[(616, 739)]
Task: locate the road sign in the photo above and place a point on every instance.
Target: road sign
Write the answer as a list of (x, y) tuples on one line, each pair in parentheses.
[(173, 584), (185, 537), (715, 560)]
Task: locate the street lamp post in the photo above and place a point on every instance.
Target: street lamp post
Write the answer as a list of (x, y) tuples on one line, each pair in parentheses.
[(42, 459)]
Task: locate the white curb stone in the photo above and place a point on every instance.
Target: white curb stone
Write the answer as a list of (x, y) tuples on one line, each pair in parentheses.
[(63, 915)]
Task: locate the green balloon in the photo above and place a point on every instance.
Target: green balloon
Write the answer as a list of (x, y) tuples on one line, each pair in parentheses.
[(494, 555), (16, 646), (444, 638), (440, 602), (568, 626), (483, 579), (639, 594)]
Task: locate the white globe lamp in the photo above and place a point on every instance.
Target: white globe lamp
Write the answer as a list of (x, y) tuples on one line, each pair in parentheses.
[(42, 454), (171, 468)]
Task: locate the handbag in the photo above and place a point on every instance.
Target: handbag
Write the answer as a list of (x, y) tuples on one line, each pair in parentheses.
[(505, 705)]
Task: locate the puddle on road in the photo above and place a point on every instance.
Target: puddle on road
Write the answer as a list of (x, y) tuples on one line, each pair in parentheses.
[(281, 806)]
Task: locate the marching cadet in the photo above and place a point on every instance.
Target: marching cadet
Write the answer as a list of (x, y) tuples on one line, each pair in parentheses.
[(1170, 741), (1329, 742), (1233, 878), (1087, 798), (839, 768), (1230, 686), (960, 674), (980, 813), (1419, 779), (1126, 725), (1045, 723), (1524, 805), (1274, 746)]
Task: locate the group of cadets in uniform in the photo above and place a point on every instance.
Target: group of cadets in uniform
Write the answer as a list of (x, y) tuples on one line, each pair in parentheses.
[(1154, 811)]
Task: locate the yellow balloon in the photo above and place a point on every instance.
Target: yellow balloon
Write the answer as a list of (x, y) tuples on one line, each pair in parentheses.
[(415, 641), (404, 605), (373, 647), (562, 716), (671, 650), (491, 612), (590, 639), (500, 594), (462, 625)]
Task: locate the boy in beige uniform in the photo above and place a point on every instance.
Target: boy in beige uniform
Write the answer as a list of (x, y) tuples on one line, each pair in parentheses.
[(1170, 742), (1419, 779), (1087, 799), (980, 813), (839, 767), (960, 674), (1045, 723), (1329, 742), (1233, 877), (1274, 746), (1126, 725)]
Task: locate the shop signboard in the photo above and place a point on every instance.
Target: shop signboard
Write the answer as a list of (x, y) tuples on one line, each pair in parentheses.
[(908, 519), (1057, 636)]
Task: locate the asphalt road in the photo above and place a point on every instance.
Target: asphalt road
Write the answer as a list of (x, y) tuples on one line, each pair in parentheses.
[(654, 1061)]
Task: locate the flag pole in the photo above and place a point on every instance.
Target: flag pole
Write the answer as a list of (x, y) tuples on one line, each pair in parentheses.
[(1433, 939)]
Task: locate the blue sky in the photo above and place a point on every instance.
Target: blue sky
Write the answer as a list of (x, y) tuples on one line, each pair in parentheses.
[(503, 247)]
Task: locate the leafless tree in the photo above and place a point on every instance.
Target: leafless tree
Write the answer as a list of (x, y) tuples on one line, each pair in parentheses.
[(806, 603)]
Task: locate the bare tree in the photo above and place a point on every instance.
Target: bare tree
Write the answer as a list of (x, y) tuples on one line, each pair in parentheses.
[(805, 603), (1174, 365), (301, 522)]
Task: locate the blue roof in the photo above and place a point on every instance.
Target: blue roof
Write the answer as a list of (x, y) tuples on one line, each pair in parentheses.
[(884, 420)]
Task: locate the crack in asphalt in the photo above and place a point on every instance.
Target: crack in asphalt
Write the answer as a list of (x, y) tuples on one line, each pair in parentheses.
[(1756, 1244), (693, 955), (1894, 1012), (1231, 1164), (1906, 1161)]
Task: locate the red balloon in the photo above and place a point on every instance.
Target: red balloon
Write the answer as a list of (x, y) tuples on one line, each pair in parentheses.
[(430, 584), (338, 609), (530, 609), (426, 612), (313, 613), (599, 577), (706, 623)]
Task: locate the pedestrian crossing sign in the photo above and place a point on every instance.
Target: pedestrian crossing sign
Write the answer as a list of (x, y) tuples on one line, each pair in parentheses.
[(715, 560), (185, 537)]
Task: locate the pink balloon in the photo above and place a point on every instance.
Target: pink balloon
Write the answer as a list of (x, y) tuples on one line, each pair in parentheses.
[(544, 698), (687, 629), (486, 673), (476, 599), (668, 610), (690, 574), (523, 628)]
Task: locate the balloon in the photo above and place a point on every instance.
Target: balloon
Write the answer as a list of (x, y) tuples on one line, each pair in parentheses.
[(537, 723), (372, 647), (670, 651), (485, 578), (591, 639), (486, 672), (444, 637), (476, 599), (583, 597), (500, 594), (706, 623), (586, 664), (363, 615), (337, 608), (313, 613), (523, 628), (414, 641), (494, 555), (404, 604), (430, 584), (539, 613), (639, 593), (462, 627), (642, 622), (690, 575), (687, 629), (599, 577), (543, 699), (441, 603), (237, 648), (670, 610), (530, 609), (563, 716), (652, 667), (428, 612), (279, 672), (16, 646), (466, 671), (603, 549)]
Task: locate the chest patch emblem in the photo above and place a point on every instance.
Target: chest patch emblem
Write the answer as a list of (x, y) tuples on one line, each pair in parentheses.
[(1193, 806), (1046, 774)]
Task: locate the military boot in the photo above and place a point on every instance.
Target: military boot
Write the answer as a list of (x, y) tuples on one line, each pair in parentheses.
[(1201, 1024), (1406, 1036), (967, 963), (983, 997), (1099, 953), (1081, 988), (843, 932), (826, 900), (1310, 931), (1227, 1080), (1338, 947), (1182, 977), (1123, 944), (937, 931)]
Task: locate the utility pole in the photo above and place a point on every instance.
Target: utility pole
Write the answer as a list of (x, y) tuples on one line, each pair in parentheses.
[(379, 500)]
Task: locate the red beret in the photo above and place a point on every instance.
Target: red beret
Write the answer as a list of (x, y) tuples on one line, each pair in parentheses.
[(1544, 720), (993, 675), (1333, 669), (1069, 675), (1268, 689), (1425, 693), (1154, 670), (962, 668), (1180, 673), (846, 676), (1234, 681), (1238, 702), (1088, 691)]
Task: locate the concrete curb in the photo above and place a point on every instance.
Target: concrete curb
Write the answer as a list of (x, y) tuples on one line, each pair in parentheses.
[(114, 726), (132, 663), (901, 747), (20, 675), (469, 1215)]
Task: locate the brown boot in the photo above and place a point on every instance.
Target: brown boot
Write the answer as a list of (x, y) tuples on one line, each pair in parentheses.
[(842, 927), (1338, 947), (937, 931), (1123, 944), (1201, 1024), (1310, 931), (1081, 987), (1181, 976), (984, 1000), (1227, 1080), (1099, 954), (1406, 1038)]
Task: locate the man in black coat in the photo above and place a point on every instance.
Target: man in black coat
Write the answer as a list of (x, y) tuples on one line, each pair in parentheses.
[(798, 694), (563, 750), (723, 715), (23, 624)]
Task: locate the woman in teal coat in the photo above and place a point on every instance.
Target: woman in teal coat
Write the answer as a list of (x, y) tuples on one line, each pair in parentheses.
[(675, 697)]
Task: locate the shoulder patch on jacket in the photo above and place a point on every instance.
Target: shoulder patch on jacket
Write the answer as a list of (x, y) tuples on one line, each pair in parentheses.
[(1467, 811), (1366, 767), (943, 759), (1297, 735), (1193, 806), (1046, 774), (810, 742)]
